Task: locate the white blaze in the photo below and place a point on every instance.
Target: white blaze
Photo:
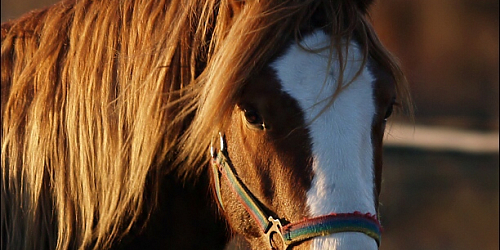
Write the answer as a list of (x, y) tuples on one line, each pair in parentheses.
[(342, 150)]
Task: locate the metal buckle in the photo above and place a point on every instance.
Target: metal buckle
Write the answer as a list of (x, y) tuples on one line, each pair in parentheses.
[(275, 228)]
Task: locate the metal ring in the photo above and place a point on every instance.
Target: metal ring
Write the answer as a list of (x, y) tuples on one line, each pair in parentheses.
[(275, 228), (221, 141)]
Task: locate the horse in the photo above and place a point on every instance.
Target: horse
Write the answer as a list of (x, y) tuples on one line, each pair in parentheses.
[(181, 124)]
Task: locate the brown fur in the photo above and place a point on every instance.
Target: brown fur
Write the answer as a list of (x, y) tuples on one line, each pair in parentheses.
[(101, 98)]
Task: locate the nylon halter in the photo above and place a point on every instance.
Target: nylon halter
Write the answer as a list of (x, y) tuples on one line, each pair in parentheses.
[(293, 232)]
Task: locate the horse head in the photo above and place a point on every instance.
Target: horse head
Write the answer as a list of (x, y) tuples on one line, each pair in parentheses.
[(299, 162)]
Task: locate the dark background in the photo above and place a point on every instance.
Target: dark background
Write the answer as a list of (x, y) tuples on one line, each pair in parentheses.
[(436, 194), (438, 198)]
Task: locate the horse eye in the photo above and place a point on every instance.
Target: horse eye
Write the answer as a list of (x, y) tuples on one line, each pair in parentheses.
[(253, 117)]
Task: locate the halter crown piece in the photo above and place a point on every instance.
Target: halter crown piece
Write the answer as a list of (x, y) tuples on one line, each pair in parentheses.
[(291, 233)]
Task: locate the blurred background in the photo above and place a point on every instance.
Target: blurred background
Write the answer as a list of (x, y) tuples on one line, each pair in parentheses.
[(441, 177), (441, 174)]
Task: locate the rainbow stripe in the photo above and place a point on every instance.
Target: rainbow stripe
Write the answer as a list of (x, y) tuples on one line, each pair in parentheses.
[(330, 224)]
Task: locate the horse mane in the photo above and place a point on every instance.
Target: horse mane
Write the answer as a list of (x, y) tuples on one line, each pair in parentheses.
[(101, 98)]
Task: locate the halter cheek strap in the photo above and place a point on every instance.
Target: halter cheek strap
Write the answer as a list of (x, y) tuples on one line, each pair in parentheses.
[(293, 232)]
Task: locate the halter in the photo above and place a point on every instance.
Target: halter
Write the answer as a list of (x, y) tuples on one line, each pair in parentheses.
[(293, 232)]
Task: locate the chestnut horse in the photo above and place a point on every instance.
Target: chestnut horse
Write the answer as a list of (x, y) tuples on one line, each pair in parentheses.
[(109, 109)]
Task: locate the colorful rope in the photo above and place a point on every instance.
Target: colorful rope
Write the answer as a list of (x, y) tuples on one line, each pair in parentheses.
[(330, 224)]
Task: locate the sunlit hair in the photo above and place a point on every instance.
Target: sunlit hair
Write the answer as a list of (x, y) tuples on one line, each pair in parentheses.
[(101, 98)]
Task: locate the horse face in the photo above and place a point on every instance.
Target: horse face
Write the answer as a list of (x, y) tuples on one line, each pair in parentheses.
[(301, 157)]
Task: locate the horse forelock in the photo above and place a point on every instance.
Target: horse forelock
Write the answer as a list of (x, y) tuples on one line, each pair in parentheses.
[(100, 98)]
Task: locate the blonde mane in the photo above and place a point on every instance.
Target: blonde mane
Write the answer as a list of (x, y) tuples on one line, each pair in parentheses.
[(101, 98)]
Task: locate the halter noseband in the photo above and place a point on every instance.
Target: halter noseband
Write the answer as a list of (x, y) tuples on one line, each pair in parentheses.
[(293, 232)]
